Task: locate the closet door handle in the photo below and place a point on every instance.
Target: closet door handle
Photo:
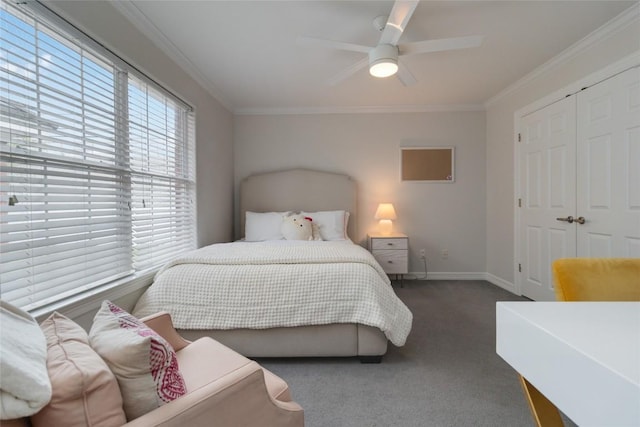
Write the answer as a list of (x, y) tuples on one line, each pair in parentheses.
[(568, 219), (581, 220)]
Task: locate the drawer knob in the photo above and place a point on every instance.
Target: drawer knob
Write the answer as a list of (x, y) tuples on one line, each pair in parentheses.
[(390, 262), (389, 244)]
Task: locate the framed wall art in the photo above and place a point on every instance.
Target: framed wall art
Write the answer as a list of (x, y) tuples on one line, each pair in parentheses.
[(431, 164)]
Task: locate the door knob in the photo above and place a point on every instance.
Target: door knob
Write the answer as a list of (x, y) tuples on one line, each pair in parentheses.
[(581, 220), (568, 219)]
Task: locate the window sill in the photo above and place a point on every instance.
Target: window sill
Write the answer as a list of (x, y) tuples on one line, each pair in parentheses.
[(90, 300)]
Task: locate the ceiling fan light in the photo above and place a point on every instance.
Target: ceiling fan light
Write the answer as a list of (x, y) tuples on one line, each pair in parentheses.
[(383, 60), (383, 68)]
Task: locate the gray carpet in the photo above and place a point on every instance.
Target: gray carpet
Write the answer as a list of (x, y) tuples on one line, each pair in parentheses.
[(447, 374)]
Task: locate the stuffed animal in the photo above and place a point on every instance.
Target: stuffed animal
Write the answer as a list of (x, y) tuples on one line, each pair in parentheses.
[(297, 227)]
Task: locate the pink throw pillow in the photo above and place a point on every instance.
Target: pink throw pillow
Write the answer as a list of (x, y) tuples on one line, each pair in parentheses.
[(85, 391)]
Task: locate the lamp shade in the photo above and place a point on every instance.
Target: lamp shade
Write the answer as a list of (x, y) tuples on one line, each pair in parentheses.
[(385, 211)]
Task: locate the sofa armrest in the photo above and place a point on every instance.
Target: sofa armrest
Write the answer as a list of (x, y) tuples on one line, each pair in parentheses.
[(162, 324), (224, 402)]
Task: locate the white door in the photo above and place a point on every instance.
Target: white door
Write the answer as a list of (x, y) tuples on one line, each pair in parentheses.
[(547, 165), (579, 161), (608, 168)]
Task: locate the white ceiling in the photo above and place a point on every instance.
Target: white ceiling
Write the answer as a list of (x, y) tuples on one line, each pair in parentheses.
[(246, 53)]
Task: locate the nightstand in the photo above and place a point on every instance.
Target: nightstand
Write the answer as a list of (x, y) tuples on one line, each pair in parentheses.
[(391, 251)]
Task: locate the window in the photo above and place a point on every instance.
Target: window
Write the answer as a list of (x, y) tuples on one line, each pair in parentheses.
[(96, 163)]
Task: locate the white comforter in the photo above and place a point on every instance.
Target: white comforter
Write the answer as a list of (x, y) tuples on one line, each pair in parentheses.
[(262, 285)]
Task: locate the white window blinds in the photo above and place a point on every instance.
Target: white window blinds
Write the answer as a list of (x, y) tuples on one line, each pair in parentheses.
[(96, 165), (162, 176)]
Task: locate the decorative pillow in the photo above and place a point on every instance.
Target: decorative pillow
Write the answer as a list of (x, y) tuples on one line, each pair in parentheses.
[(260, 226), (297, 227), (85, 391), (332, 224), (144, 363)]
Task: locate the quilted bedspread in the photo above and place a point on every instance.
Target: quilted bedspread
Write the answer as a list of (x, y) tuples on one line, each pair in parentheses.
[(260, 285)]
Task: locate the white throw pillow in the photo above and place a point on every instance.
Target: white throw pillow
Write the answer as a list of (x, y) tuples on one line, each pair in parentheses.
[(144, 363), (261, 226), (332, 224)]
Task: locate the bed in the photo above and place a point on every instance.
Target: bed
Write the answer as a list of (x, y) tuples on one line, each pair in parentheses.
[(283, 298)]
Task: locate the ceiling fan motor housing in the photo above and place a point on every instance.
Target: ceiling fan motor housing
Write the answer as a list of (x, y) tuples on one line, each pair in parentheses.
[(380, 22), (383, 60)]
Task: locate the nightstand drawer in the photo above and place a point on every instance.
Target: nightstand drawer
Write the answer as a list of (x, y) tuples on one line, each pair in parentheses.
[(392, 261), (378, 243)]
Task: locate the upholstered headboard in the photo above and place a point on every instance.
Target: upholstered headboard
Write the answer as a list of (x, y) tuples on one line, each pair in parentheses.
[(298, 190)]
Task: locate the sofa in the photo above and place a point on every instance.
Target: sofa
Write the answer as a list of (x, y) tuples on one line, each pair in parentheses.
[(223, 388)]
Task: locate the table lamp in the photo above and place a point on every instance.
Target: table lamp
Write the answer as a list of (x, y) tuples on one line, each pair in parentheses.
[(386, 214)]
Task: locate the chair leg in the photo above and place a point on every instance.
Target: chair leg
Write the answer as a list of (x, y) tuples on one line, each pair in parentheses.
[(544, 412)]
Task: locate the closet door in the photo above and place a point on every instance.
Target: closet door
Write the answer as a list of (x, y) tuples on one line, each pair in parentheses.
[(608, 167), (547, 165), (580, 160)]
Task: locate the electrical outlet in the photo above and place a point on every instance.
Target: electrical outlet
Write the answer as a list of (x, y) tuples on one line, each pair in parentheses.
[(444, 253), (423, 253)]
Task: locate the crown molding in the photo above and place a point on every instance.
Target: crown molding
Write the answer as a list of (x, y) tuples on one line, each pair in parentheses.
[(142, 23), (630, 61), (628, 17), (360, 109)]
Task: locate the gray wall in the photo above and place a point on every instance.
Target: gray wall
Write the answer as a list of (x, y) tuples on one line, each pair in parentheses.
[(500, 137), (435, 216)]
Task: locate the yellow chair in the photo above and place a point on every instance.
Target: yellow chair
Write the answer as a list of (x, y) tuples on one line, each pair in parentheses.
[(584, 279), (597, 279)]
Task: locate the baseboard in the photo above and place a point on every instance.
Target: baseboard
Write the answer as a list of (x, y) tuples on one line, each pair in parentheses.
[(443, 275), (495, 280)]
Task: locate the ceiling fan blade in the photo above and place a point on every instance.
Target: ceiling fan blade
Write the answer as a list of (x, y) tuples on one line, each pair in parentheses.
[(347, 72), (398, 20), (438, 45), (352, 47), (404, 75)]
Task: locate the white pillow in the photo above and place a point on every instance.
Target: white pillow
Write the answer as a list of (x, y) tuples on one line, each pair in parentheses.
[(144, 363), (332, 224), (260, 226)]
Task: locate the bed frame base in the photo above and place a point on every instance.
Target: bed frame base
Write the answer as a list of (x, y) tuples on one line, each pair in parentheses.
[(334, 340)]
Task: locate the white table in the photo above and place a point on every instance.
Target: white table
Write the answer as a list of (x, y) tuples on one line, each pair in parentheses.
[(583, 356)]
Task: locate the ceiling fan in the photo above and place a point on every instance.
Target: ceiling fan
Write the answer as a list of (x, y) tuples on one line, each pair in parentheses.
[(383, 59)]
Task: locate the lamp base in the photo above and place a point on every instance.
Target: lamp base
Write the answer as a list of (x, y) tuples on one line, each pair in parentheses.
[(385, 226)]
